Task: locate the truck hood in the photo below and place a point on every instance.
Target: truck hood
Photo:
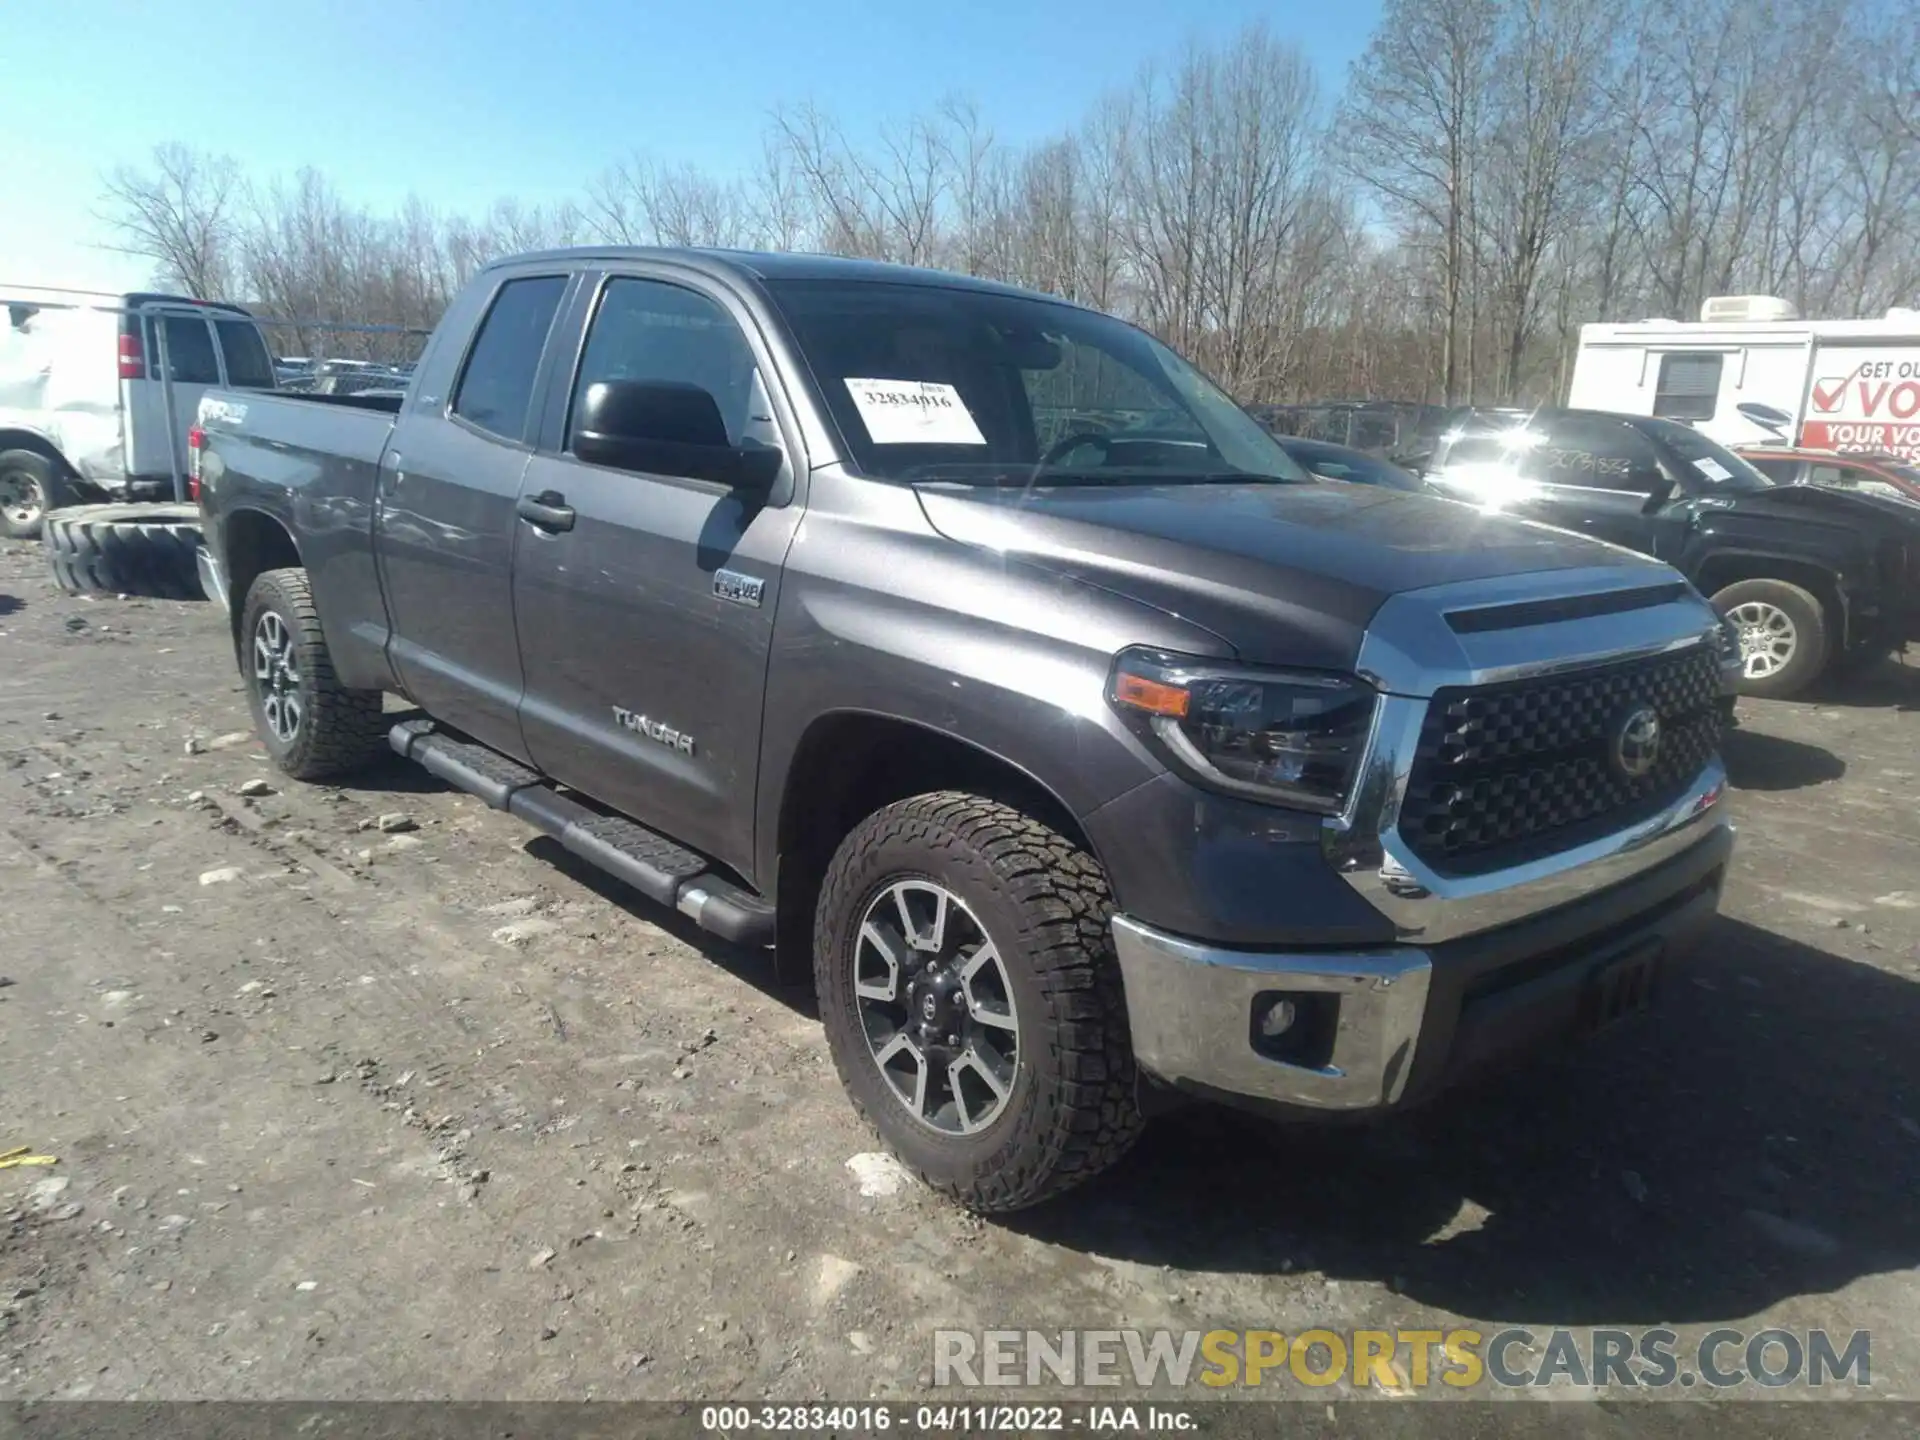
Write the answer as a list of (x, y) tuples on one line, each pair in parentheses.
[(1284, 573), (1797, 504)]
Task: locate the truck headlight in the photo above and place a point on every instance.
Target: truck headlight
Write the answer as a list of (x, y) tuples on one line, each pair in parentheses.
[(1291, 738)]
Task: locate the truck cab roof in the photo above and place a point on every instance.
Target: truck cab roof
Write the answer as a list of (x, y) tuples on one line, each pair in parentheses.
[(776, 265)]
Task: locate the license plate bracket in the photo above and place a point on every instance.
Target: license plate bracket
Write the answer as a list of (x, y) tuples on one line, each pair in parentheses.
[(1620, 987)]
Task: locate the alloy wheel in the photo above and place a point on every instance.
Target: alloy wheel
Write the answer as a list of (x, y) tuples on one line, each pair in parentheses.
[(277, 677), (1768, 638), (937, 1007)]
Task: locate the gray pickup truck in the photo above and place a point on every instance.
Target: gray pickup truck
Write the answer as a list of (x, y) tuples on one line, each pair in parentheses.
[(974, 647)]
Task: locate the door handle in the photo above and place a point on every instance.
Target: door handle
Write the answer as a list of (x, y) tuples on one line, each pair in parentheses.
[(547, 511)]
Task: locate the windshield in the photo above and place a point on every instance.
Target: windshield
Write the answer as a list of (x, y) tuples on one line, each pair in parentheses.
[(1714, 463), (932, 382)]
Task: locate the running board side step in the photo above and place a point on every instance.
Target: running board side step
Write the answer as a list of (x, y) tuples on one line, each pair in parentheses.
[(651, 863)]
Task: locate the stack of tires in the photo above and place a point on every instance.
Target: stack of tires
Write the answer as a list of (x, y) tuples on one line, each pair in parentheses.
[(113, 549)]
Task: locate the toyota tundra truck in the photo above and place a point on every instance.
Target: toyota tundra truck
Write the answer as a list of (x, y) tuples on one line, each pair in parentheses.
[(974, 652)]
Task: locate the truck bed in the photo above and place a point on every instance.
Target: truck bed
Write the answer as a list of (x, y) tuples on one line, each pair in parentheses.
[(261, 432), (318, 455)]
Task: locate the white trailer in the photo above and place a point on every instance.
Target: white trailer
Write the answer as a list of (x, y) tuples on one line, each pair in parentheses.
[(1847, 384)]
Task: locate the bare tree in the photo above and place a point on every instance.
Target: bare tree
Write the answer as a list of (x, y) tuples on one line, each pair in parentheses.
[(1221, 184), (1412, 131), (1507, 170), (1547, 103), (179, 213), (642, 202)]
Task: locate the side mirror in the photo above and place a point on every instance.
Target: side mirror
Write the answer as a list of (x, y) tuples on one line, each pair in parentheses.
[(667, 427)]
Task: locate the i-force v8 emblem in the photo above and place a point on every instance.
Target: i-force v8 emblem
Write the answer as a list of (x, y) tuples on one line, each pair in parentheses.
[(740, 589)]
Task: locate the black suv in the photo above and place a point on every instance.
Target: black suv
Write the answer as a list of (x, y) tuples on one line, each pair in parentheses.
[(1808, 578)]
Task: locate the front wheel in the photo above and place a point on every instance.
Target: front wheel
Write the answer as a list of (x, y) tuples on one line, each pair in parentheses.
[(311, 724), (30, 485), (972, 1001), (1782, 630)]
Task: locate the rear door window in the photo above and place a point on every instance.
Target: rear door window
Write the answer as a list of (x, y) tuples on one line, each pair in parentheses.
[(248, 365), (1781, 472), (190, 353), (496, 387)]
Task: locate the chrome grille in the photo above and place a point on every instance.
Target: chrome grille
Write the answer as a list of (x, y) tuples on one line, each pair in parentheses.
[(1527, 767)]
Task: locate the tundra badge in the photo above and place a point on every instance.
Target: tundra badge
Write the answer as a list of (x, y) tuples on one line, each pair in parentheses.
[(740, 589), (668, 736)]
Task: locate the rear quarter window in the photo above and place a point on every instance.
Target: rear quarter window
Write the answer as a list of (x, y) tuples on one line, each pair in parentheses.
[(189, 350), (248, 365)]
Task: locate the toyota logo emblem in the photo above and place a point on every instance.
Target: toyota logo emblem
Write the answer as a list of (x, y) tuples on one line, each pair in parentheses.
[(929, 1007), (1636, 743)]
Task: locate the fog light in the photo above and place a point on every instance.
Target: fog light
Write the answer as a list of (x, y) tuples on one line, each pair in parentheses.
[(1295, 1027), (1277, 1019)]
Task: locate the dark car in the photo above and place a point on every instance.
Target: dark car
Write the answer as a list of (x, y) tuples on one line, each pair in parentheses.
[(1806, 576), (1340, 462), (978, 654)]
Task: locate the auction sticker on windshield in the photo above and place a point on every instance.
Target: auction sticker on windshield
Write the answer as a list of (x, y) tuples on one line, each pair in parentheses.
[(914, 412)]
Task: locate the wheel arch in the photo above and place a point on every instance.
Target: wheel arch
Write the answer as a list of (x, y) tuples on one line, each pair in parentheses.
[(253, 542), (824, 796), (15, 437), (1720, 571)]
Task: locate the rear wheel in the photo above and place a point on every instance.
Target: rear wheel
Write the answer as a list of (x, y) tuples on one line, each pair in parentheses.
[(972, 1001), (311, 724), (1782, 630), (30, 485)]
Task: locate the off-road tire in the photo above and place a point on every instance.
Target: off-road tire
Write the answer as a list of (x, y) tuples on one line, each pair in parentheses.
[(33, 472), (125, 549), (341, 730), (1073, 1110), (1812, 645)]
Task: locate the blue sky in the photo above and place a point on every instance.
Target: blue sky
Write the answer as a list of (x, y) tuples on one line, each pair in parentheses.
[(466, 101)]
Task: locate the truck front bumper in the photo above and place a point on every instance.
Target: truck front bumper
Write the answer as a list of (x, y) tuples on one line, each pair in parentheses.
[(1382, 1026)]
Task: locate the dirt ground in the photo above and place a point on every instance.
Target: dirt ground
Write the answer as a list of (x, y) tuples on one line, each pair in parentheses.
[(427, 1112)]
